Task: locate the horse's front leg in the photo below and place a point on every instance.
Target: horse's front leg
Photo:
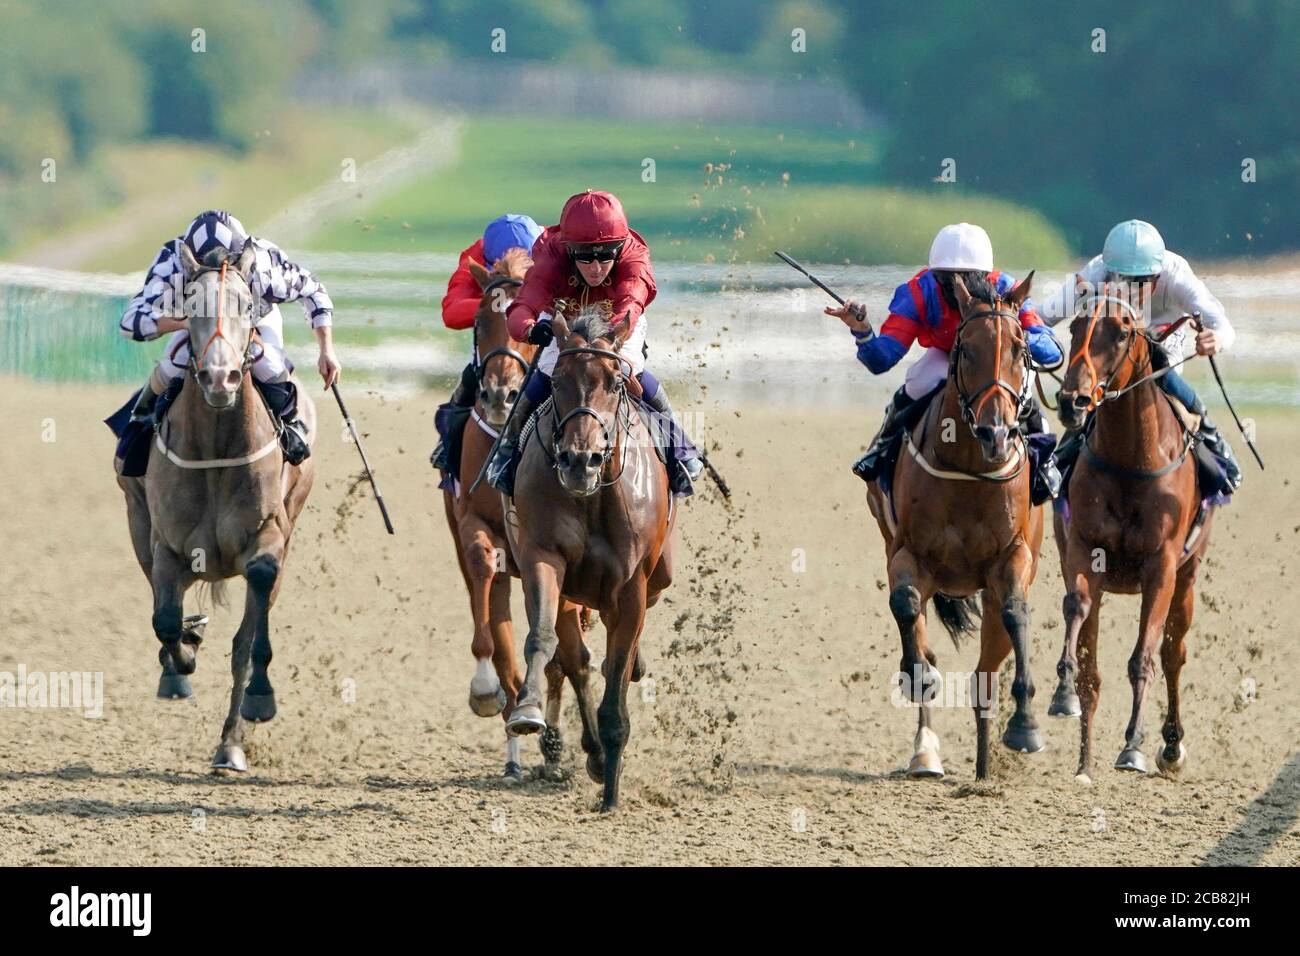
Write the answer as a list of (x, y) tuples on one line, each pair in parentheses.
[(230, 751), (262, 573), (909, 589), (170, 576), (576, 660), (1081, 611), (543, 576), (624, 625), (487, 697), (1010, 588), (1158, 577)]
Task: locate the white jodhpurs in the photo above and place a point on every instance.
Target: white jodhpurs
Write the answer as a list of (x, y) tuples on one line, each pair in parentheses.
[(269, 361)]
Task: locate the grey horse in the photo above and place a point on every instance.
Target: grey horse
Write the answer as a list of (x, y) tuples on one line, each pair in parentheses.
[(218, 499)]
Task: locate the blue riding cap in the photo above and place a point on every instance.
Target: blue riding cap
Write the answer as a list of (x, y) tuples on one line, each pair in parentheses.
[(508, 232)]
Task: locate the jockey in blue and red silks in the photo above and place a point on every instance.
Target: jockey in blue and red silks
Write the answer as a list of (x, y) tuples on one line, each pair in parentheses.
[(924, 309)]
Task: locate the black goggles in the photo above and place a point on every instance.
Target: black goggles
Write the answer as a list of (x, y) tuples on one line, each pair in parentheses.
[(595, 252)]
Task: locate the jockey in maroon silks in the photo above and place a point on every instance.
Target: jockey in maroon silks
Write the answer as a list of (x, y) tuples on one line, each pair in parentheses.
[(591, 256)]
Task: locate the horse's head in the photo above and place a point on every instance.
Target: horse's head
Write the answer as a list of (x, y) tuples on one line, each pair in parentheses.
[(990, 363), (589, 398), (502, 362), (1104, 351), (220, 308)]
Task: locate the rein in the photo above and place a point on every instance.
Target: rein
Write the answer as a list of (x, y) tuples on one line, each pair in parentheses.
[(196, 359), (622, 417), (972, 404)]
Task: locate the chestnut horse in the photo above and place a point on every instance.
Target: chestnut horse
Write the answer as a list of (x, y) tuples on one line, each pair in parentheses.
[(1131, 507), (959, 521), (477, 520), (591, 523)]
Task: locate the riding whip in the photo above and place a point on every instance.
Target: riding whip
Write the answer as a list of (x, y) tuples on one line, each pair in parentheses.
[(1214, 367), (364, 463), (815, 281)]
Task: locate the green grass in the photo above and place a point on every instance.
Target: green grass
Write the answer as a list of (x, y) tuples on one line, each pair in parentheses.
[(720, 194)]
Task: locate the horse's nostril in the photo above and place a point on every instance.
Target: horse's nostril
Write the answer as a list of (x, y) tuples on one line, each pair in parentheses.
[(233, 377), (512, 397), (593, 459), (204, 377), (1081, 401), (563, 459)]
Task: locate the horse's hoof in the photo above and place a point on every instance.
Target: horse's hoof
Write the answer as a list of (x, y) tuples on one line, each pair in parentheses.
[(925, 766), (1082, 779), (1022, 736), (257, 708), (526, 719), (230, 757), (552, 745), (1065, 703), (174, 687), (596, 768), (1131, 759), (513, 773), (489, 704), (1171, 764)]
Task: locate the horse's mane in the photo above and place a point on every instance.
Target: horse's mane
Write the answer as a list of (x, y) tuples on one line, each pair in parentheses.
[(593, 323), (515, 263)]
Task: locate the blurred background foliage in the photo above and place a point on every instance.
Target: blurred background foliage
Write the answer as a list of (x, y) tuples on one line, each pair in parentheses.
[(1051, 137)]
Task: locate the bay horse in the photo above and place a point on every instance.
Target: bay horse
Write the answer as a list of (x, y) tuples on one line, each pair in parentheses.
[(592, 523), (218, 499), (477, 517), (959, 522), (1128, 521)]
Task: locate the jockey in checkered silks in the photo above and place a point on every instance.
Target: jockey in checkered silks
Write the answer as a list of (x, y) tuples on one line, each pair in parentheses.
[(214, 237)]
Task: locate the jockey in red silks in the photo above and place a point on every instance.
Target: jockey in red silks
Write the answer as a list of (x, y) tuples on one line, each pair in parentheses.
[(592, 256), (460, 304), (924, 309)]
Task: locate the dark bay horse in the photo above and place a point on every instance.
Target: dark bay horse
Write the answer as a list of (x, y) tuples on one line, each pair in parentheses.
[(959, 521), (477, 518), (218, 499), (592, 523), (1130, 513)]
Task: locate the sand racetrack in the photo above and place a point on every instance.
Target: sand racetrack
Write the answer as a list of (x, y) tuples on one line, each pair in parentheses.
[(771, 737)]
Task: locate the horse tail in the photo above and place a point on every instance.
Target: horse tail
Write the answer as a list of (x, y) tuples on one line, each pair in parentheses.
[(214, 590), (960, 616)]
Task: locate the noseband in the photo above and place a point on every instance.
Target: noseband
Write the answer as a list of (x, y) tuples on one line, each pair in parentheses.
[(622, 415), (972, 403)]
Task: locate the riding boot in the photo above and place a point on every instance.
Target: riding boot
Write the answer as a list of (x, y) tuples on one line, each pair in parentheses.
[(692, 465), (501, 469), (1218, 445), (1045, 483), (282, 400), (868, 466), (145, 404), (464, 396)]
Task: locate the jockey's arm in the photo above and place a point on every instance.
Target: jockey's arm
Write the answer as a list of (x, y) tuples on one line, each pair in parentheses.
[(328, 363), (149, 314), (1192, 295)]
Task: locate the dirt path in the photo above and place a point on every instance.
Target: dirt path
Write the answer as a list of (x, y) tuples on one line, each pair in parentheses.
[(770, 737)]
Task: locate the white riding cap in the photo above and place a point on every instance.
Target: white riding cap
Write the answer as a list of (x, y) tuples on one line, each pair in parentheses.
[(962, 246)]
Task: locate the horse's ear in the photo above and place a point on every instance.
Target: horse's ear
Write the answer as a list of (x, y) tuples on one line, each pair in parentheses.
[(480, 274), (189, 265), (1020, 293), (247, 259), (960, 293)]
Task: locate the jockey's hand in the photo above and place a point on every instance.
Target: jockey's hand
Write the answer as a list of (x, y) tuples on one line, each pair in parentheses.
[(1207, 342), (851, 314), (541, 333), (328, 366)]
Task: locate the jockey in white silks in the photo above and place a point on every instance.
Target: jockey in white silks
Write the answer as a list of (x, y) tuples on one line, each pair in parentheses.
[(1134, 253), (213, 237)]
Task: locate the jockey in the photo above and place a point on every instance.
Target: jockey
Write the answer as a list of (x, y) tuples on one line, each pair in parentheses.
[(214, 237), (460, 304), (1135, 253), (924, 308), (591, 256)]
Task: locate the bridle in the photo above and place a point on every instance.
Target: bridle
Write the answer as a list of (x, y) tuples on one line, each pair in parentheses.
[(504, 351), (622, 416), (1100, 391), (218, 334), (972, 403)]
